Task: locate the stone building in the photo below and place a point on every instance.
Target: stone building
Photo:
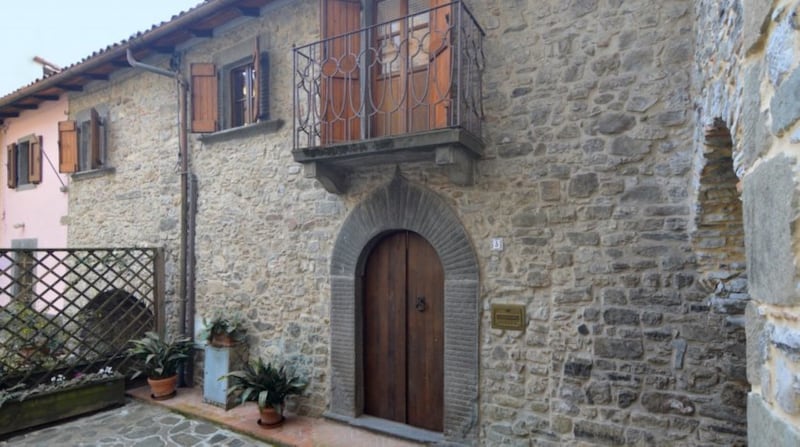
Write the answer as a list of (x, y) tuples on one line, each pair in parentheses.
[(378, 187)]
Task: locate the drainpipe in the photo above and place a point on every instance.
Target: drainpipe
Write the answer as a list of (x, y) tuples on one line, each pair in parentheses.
[(188, 207)]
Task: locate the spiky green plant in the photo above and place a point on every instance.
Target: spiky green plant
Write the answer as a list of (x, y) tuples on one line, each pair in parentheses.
[(159, 358), (264, 384)]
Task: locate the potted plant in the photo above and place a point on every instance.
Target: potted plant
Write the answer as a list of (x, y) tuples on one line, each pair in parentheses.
[(160, 362), (268, 386), (22, 407), (224, 331)]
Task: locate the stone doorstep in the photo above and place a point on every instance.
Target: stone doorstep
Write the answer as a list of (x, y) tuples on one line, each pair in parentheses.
[(300, 431)]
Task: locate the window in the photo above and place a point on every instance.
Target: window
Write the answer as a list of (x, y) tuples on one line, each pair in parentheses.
[(24, 269), (82, 143), (235, 95), (243, 95), (24, 161)]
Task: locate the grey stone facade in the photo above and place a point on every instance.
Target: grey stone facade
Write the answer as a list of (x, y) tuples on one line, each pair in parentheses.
[(616, 134)]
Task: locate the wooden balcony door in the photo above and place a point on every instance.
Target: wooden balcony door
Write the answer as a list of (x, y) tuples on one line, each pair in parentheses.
[(403, 334), (410, 88), (406, 58)]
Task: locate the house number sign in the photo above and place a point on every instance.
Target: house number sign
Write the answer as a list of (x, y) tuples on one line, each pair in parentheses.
[(508, 316)]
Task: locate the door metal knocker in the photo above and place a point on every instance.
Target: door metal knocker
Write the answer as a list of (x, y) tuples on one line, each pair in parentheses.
[(421, 306)]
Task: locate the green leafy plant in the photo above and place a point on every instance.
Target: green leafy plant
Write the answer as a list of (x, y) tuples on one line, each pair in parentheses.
[(160, 358), (265, 384), (219, 324)]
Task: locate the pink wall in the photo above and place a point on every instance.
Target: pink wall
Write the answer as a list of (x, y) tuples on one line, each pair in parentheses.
[(41, 208), (34, 212)]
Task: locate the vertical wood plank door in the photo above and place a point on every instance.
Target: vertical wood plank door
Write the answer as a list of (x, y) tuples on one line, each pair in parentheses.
[(404, 332)]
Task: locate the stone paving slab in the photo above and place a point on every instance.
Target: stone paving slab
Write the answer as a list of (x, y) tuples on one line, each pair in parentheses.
[(136, 424)]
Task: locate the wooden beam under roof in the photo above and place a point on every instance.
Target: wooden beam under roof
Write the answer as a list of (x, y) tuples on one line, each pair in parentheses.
[(96, 76), (207, 33), (26, 106), (70, 87), (9, 114), (45, 97), (249, 12), (163, 49)]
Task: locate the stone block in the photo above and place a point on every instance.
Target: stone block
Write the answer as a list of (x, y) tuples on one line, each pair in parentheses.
[(756, 342), (643, 194), (628, 147), (785, 104), (599, 393), (773, 430), (780, 50), (755, 135), (616, 348), (787, 387), (550, 190), (615, 123), (621, 317), (769, 195), (599, 433), (577, 367), (583, 185), (626, 398), (756, 15), (667, 403)]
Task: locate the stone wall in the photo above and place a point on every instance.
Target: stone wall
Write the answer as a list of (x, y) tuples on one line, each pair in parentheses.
[(590, 177), (769, 132)]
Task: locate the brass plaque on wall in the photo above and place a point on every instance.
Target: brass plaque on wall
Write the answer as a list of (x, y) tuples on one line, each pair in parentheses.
[(508, 316)]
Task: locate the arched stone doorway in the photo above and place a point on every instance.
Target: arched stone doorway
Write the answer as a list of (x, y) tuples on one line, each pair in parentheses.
[(395, 207)]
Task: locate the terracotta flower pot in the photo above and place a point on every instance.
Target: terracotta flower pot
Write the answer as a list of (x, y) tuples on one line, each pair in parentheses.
[(163, 388), (222, 340), (270, 417)]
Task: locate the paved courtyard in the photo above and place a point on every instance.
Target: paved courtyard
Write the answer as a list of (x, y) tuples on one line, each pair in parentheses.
[(136, 424)]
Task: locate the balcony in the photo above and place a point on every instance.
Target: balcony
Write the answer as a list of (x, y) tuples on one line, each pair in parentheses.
[(403, 90)]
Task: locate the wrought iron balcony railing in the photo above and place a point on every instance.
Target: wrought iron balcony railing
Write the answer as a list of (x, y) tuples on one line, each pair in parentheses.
[(417, 73)]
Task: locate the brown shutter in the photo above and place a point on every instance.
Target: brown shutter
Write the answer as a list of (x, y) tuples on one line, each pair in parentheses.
[(96, 139), (35, 160), (67, 147), (262, 80), (12, 165), (204, 97), (340, 89)]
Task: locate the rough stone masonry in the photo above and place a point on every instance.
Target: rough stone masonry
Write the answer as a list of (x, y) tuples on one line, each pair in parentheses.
[(616, 133)]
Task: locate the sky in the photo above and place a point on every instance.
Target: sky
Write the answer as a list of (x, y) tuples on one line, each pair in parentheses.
[(64, 32)]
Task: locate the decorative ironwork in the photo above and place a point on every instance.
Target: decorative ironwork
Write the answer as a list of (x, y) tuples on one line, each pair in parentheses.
[(67, 312), (417, 73)]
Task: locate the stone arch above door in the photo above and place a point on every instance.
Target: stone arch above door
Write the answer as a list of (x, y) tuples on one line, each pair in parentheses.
[(400, 205)]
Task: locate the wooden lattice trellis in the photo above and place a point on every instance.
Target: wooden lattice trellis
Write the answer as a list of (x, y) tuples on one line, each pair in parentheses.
[(73, 311)]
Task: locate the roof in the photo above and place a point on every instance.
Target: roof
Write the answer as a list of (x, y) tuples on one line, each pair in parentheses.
[(197, 22)]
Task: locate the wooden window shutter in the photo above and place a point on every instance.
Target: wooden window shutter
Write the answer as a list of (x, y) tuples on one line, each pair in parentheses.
[(67, 146), (35, 160), (204, 97), (340, 86), (96, 139), (11, 150), (262, 85)]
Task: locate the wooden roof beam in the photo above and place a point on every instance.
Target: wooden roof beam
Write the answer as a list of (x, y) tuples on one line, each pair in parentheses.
[(46, 97), (9, 114), (70, 87), (26, 106), (96, 76), (249, 12), (206, 33), (162, 49)]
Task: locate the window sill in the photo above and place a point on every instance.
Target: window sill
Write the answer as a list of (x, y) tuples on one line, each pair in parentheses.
[(263, 127), (25, 187), (94, 173)]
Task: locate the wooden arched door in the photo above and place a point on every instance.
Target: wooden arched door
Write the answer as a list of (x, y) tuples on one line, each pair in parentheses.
[(404, 332)]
